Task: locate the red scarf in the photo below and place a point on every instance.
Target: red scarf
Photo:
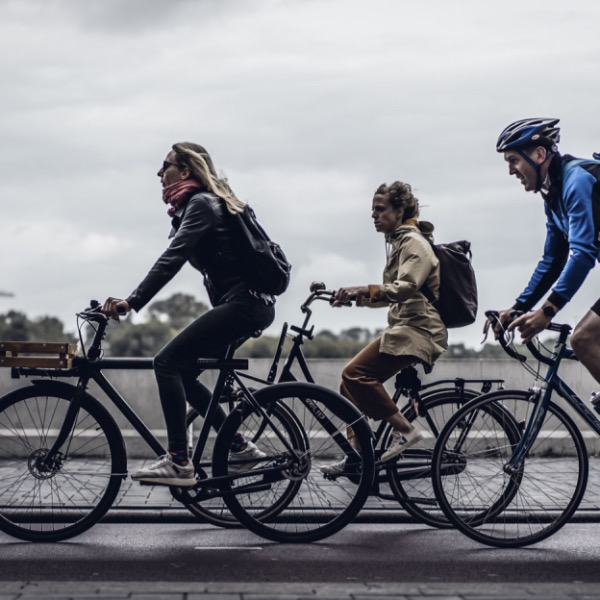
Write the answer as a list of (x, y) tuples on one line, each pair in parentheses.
[(179, 191)]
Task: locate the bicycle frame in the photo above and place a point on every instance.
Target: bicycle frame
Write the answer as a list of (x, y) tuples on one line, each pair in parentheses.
[(318, 292), (86, 370), (551, 382), (407, 384), (90, 365)]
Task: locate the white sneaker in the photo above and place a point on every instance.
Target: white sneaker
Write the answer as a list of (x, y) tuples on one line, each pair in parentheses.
[(400, 442), (245, 459), (336, 468), (165, 472)]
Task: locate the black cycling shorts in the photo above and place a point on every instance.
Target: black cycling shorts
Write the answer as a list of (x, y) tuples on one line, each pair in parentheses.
[(596, 307)]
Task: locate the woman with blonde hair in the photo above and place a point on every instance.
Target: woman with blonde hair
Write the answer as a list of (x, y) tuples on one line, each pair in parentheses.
[(200, 204)]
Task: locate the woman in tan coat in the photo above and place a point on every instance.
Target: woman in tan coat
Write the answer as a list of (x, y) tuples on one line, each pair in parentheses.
[(415, 332)]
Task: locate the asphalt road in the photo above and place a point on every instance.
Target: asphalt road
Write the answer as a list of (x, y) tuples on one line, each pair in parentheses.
[(361, 552)]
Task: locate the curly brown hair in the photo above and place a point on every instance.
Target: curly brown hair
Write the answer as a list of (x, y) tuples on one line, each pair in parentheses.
[(400, 195)]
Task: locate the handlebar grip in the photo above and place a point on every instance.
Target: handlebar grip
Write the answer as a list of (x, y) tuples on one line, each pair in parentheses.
[(332, 300), (121, 310), (493, 317)]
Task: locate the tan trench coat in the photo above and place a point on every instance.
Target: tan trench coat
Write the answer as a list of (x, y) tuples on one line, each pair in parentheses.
[(414, 325)]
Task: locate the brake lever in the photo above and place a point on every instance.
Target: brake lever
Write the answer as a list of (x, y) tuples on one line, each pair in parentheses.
[(490, 315)]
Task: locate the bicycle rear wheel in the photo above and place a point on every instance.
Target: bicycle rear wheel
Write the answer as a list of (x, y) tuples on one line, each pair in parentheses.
[(319, 506), (208, 510), (42, 502), (501, 509), (214, 510), (409, 476)]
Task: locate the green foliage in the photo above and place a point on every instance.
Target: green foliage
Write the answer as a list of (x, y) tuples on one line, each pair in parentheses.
[(166, 319), (323, 347), (179, 310), (138, 339), (488, 351), (262, 347), (15, 326), (347, 344), (325, 344)]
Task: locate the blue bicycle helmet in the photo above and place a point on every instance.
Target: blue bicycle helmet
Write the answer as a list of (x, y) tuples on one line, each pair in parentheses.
[(530, 132)]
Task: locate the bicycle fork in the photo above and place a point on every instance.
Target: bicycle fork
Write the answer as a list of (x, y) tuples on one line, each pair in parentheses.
[(531, 429), (52, 460)]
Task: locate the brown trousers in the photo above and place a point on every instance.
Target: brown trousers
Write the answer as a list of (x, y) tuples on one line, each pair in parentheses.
[(364, 376)]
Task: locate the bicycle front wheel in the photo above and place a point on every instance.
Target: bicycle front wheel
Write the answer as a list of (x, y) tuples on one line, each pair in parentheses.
[(51, 501), (320, 505), (522, 506)]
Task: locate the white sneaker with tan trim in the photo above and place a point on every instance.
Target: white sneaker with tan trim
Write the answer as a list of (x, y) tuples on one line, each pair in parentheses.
[(400, 442), (165, 472)]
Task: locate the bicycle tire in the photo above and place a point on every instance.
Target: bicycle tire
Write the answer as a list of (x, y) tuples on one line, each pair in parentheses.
[(214, 510), (409, 476), (510, 510), (320, 505), (42, 504)]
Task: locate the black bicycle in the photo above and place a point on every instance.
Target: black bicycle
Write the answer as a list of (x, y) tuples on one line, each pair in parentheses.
[(406, 480), (63, 458), (524, 462)]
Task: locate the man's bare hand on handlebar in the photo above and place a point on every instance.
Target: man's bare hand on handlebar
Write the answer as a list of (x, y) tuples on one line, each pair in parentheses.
[(115, 308), (530, 324), (346, 295)]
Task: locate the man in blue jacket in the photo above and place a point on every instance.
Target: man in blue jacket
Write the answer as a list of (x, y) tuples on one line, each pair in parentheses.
[(570, 188)]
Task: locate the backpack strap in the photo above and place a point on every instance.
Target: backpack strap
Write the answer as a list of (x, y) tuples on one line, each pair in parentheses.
[(425, 289), (428, 294)]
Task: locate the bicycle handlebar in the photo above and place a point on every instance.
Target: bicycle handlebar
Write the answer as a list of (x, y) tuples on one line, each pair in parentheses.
[(562, 328), (318, 291), (94, 313)]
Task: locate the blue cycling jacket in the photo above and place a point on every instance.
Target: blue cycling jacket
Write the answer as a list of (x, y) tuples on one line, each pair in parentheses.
[(572, 206)]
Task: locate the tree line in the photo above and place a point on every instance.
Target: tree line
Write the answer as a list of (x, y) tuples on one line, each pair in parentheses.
[(165, 318)]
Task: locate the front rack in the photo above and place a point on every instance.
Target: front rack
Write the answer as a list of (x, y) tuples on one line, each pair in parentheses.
[(42, 355)]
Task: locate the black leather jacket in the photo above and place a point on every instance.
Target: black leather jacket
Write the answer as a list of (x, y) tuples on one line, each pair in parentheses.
[(202, 235)]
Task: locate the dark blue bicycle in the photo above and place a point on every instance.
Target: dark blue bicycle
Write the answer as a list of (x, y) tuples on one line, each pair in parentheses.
[(523, 460)]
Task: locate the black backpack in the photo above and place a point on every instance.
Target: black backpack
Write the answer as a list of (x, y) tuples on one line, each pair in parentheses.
[(457, 303), (265, 265)]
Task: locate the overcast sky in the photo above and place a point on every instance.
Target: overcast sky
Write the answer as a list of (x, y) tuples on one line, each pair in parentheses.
[(307, 106)]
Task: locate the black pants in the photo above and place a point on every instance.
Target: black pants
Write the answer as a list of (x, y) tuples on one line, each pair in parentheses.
[(207, 337)]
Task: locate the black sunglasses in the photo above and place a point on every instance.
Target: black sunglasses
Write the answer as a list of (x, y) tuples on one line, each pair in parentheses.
[(166, 164)]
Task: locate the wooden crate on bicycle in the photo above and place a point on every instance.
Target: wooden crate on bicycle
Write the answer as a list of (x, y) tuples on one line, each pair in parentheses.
[(44, 355)]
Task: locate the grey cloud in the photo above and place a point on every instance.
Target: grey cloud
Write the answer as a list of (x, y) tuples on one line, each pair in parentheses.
[(307, 106), (119, 17)]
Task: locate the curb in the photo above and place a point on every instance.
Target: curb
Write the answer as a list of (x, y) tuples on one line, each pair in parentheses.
[(398, 516)]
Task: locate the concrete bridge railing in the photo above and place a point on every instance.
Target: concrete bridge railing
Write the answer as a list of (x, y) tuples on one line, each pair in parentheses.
[(139, 387)]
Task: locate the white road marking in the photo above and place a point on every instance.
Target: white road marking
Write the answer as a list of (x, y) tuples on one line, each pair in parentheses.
[(228, 548)]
